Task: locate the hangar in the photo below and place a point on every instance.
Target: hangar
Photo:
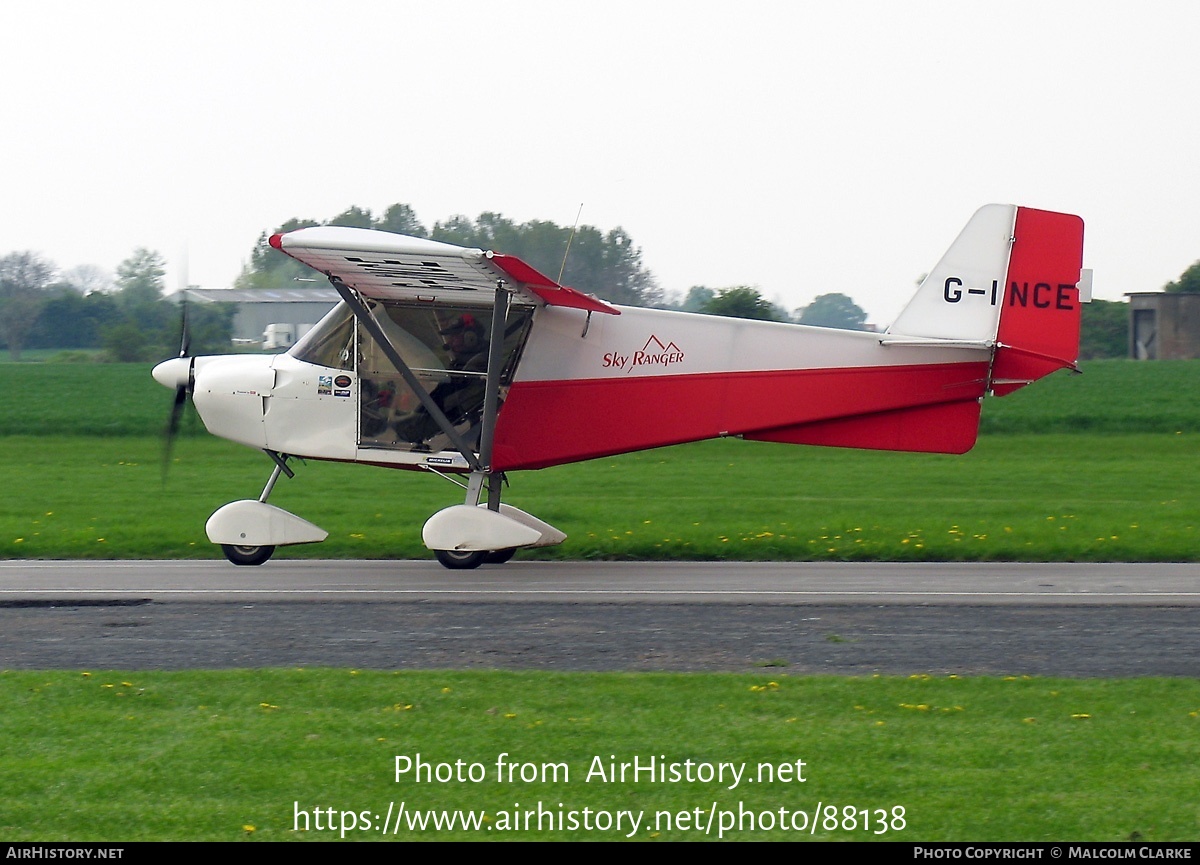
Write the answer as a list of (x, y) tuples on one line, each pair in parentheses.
[(276, 317)]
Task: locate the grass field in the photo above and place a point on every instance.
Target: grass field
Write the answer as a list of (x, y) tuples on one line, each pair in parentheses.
[(1094, 468), (1063, 478), (1026, 497), (227, 755), (1113, 396)]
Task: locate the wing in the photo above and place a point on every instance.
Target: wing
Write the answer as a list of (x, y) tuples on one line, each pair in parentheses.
[(384, 265)]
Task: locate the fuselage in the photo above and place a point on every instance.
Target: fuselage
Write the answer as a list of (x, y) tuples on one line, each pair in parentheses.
[(573, 388)]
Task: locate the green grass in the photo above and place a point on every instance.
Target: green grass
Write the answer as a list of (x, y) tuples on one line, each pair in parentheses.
[(200, 755), (1014, 498), (82, 474), (1111, 396), (82, 399), (122, 399), (53, 355), (203, 755)]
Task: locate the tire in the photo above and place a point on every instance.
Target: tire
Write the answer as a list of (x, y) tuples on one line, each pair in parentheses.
[(499, 557), (241, 555), (461, 560)]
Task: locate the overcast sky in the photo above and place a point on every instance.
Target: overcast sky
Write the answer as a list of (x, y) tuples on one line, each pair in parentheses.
[(800, 147)]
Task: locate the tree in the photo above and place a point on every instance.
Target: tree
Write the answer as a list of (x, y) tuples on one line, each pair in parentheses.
[(270, 268), (834, 310), (625, 279), (210, 326), (70, 320), (697, 297), (1104, 330), (1189, 281), (24, 278), (401, 219), (354, 217), (607, 265), (140, 278), (742, 301), (88, 279), (148, 326)]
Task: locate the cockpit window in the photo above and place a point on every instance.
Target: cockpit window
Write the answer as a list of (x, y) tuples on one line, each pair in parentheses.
[(446, 347), (330, 342)]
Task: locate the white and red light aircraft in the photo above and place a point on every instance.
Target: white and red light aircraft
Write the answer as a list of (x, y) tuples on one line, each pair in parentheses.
[(468, 362)]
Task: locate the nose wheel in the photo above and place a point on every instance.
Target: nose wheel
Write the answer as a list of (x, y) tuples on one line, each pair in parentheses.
[(244, 555)]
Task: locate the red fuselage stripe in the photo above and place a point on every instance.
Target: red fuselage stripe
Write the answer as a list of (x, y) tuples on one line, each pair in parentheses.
[(546, 423)]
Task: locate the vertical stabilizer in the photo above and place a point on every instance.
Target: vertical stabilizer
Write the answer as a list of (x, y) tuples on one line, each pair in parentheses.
[(960, 298)]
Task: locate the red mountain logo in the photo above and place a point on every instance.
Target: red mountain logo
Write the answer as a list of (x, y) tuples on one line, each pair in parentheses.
[(654, 353)]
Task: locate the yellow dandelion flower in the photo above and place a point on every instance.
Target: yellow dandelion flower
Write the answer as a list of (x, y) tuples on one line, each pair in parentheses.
[(1079, 716), (248, 828)]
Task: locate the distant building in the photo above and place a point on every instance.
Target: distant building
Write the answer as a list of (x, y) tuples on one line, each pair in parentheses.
[(280, 315), (1164, 325)]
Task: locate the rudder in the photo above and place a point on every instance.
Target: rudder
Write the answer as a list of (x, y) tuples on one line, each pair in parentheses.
[(1045, 285)]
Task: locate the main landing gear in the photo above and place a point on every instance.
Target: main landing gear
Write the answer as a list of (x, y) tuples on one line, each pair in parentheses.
[(246, 555)]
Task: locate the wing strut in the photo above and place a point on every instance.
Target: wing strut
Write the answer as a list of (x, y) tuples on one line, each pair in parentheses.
[(491, 397), (364, 315)]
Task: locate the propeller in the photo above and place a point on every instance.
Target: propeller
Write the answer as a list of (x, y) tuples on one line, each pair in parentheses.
[(180, 372)]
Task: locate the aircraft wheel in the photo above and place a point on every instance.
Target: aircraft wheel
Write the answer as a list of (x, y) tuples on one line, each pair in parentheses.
[(461, 560), (242, 555), (499, 557)]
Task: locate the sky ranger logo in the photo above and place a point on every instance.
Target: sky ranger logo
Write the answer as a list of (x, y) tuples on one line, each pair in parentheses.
[(653, 353)]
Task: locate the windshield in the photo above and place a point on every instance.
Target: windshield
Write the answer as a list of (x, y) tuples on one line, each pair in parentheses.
[(330, 342)]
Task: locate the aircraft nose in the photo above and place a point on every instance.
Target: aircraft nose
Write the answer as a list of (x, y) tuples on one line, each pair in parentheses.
[(173, 373)]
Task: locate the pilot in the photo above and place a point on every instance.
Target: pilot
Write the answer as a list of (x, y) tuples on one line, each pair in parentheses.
[(465, 339)]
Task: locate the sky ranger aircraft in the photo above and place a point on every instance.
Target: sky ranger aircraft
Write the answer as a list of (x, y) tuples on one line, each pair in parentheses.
[(471, 363)]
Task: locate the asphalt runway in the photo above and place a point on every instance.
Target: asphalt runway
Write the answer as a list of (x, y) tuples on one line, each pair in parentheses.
[(1107, 620)]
